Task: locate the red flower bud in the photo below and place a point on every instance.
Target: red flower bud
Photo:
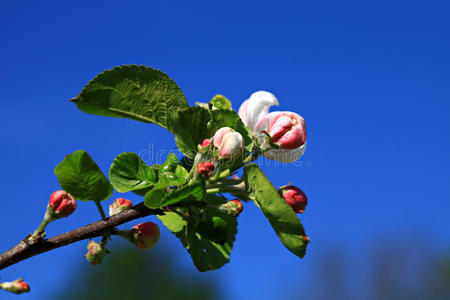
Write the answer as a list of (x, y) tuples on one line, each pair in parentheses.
[(17, 286), (145, 235), (119, 205), (205, 142), (294, 196), (205, 168), (233, 207), (96, 252), (61, 204)]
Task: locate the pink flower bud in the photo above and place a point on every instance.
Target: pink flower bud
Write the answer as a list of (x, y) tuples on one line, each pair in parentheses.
[(205, 168), (233, 207), (119, 205), (96, 252), (61, 204), (231, 146), (18, 286), (205, 142), (145, 235), (286, 129), (218, 136), (294, 197)]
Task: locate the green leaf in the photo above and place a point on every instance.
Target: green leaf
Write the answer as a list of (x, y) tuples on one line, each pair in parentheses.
[(194, 233), (173, 221), (129, 172), (280, 215), (186, 195), (135, 92), (190, 128), (220, 102), (80, 176), (171, 173)]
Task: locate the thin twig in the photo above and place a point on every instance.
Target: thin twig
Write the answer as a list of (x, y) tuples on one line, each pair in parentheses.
[(26, 249)]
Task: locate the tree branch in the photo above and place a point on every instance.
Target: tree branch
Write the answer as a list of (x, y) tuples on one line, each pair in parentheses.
[(26, 249)]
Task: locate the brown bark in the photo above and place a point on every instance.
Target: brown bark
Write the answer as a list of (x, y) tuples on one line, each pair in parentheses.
[(26, 249)]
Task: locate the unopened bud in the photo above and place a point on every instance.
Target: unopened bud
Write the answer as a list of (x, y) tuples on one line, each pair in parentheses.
[(145, 235), (205, 168), (96, 252), (119, 205), (61, 205), (294, 197), (233, 207), (218, 136), (205, 142), (232, 145), (18, 286)]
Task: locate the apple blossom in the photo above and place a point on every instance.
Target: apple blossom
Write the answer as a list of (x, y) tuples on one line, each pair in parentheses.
[(287, 130)]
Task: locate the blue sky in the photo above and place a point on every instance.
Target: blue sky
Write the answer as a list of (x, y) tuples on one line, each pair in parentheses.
[(371, 79)]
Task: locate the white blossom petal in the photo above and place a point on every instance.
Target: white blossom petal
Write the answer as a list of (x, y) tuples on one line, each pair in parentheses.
[(258, 106)]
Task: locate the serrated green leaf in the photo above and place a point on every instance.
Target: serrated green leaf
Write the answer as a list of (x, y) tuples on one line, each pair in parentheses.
[(129, 172), (186, 195), (205, 253), (190, 126), (135, 92), (280, 215), (80, 176)]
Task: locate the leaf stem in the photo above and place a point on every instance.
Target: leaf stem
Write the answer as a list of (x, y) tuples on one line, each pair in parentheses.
[(100, 209), (229, 189)]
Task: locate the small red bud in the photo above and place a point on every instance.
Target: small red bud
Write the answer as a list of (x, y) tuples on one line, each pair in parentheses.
[(294, 197), (205, 168), (18, 286), (233, 207), (306, 238), (119, 205), (145, 235), (62, 204), (205, 142), (96, 252)]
